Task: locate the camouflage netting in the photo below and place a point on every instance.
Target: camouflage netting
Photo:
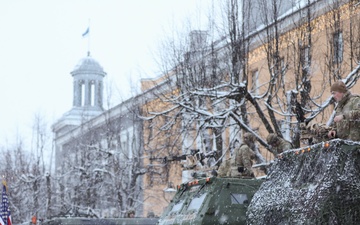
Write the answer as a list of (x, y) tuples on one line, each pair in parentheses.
[(320, 186)]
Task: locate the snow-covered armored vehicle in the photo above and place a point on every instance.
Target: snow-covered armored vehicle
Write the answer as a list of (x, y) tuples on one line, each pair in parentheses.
[(211, 200), (318, 184)]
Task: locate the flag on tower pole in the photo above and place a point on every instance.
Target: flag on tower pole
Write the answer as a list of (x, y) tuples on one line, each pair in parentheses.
[(5, 217), (86, 33)]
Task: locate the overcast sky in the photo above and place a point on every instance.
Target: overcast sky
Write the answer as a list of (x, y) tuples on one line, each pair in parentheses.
[(41, 42)]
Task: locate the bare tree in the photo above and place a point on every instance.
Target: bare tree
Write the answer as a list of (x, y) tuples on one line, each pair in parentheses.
[(210, 80), (15, 168), (102, 160), (208, 85), (24, 170)]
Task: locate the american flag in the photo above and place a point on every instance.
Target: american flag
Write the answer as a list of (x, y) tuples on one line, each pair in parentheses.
[(5, 217)]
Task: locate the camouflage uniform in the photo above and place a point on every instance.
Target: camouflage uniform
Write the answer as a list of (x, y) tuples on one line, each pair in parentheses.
[(224, 168), (240, 162), (278, 144), (315, 133), (242, 158), (349, 126)]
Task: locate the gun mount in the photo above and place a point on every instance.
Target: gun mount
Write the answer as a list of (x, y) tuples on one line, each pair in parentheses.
[(189, 160)]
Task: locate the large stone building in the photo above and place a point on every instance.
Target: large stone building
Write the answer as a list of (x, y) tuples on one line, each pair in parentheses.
[(88, 78), (287, 62), (93, 143), (292, 61)]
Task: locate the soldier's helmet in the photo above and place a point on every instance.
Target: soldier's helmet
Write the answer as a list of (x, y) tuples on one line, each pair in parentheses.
[(249, 137), (271, 139)]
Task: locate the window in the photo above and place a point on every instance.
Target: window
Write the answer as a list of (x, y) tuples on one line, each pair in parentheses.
[(239, 199), (283, 126), (196, 202), (92, 93), (338, 47), (177, 206), (357, 3), (150, 129), (255, 82), (207, 138), (282, 65), (305, 57), (82, 93)]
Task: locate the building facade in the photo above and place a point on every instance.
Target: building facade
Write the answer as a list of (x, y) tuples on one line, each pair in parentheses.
[(98, 151), (269, 80), (273, 79)]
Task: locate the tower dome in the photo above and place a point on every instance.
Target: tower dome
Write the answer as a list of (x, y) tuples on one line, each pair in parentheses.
[(88, 65), (88, 84), (88, 77)]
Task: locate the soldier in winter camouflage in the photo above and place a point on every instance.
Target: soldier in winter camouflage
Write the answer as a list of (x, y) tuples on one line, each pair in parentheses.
[(224, 168), (314, 133), (240, 163), (278, 145), (347, 113)]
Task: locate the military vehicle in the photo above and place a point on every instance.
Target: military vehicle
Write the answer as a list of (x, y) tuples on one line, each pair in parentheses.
[(317, 184), (211, 200)]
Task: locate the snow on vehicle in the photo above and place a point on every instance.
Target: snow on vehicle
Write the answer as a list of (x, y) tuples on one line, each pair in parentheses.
[(211, 200), (317, 184)]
